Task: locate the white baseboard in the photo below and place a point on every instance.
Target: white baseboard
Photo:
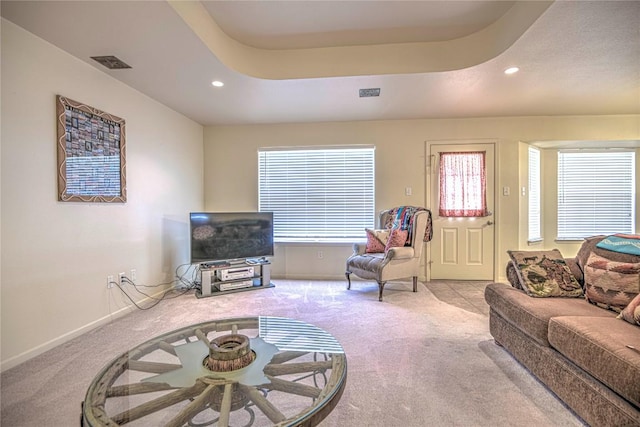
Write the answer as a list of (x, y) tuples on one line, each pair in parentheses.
[(38, 350), (341, 277), (308, 277)]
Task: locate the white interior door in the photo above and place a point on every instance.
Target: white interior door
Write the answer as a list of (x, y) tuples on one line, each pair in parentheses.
[(462, 248)]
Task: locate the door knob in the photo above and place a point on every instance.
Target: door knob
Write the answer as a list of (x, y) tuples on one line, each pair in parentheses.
[(489, 222)]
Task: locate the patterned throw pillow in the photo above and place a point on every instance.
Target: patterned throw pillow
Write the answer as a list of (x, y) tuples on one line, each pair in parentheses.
[(397, 238), (611, 284), (631, 313), (376, 240), (545, 274)]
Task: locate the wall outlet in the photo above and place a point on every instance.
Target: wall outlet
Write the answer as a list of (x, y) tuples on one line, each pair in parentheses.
[(122, 278), (320, 255), (109, 282), (133, 275)]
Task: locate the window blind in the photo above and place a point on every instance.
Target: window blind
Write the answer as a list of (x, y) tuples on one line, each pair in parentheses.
[(318, 194), (595, 193), (535, 232)]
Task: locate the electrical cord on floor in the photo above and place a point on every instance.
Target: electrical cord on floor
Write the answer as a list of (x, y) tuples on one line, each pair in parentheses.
[(179, 278), (189, 285), (156, 300)]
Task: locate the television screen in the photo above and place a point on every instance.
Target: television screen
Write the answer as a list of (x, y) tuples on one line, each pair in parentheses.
[(221, 236)]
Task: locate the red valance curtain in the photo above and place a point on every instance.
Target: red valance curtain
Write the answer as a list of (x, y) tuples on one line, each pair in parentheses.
[(463, 184)]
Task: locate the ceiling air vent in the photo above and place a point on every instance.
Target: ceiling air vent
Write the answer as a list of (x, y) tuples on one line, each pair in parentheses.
[(366, 93), (111, 62)]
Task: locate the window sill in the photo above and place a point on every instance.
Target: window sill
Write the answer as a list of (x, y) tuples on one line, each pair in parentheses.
[(335, 241)]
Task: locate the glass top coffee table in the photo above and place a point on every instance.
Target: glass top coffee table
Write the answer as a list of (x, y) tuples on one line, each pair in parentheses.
[(253, 371)]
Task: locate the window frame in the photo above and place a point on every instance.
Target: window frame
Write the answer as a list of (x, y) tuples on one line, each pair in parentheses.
[(534, 233)]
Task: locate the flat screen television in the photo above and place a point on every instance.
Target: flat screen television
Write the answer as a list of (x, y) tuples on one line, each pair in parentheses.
[(226, 236)]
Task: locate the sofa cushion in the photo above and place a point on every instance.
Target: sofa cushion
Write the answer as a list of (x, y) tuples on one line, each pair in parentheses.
[(598, 345), (545, 274), (611, 284), (531, 315)]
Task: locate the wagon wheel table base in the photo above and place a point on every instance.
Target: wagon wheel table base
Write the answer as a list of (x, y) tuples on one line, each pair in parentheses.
[(253, 371)]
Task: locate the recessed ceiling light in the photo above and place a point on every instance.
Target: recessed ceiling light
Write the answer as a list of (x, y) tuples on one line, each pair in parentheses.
[(511, 70), (217, 83)]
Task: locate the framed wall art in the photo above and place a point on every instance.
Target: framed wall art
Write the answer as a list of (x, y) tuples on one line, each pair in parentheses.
[(91, 154)]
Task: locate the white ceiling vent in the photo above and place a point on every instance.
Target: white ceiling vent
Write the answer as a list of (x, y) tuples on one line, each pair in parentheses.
[(366, 93), (111, 62)]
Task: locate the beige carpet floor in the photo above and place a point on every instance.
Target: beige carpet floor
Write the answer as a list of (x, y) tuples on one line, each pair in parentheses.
[(415, 359)]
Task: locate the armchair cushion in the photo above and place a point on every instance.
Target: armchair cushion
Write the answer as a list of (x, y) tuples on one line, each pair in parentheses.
[(367, 266)]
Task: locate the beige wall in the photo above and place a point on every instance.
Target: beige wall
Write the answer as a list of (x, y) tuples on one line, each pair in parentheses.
[(400, 162), (56, 256)]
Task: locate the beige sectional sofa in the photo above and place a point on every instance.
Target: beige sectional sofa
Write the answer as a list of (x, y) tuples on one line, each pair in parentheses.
[(583, 353)]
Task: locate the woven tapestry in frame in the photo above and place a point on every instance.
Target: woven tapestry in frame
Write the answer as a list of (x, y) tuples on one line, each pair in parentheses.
[(91, 154)]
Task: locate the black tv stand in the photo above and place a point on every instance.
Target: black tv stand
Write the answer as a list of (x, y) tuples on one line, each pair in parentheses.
[(217, 278)]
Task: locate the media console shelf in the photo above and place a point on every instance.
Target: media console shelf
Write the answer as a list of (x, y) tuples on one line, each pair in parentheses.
[(216, 279)]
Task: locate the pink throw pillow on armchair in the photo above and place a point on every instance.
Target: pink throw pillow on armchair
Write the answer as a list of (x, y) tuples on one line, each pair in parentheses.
[(397, 238), (376, 240)]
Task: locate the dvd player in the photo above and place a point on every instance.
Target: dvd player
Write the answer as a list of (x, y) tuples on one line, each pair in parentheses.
[(235, 273), (234, 285)]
